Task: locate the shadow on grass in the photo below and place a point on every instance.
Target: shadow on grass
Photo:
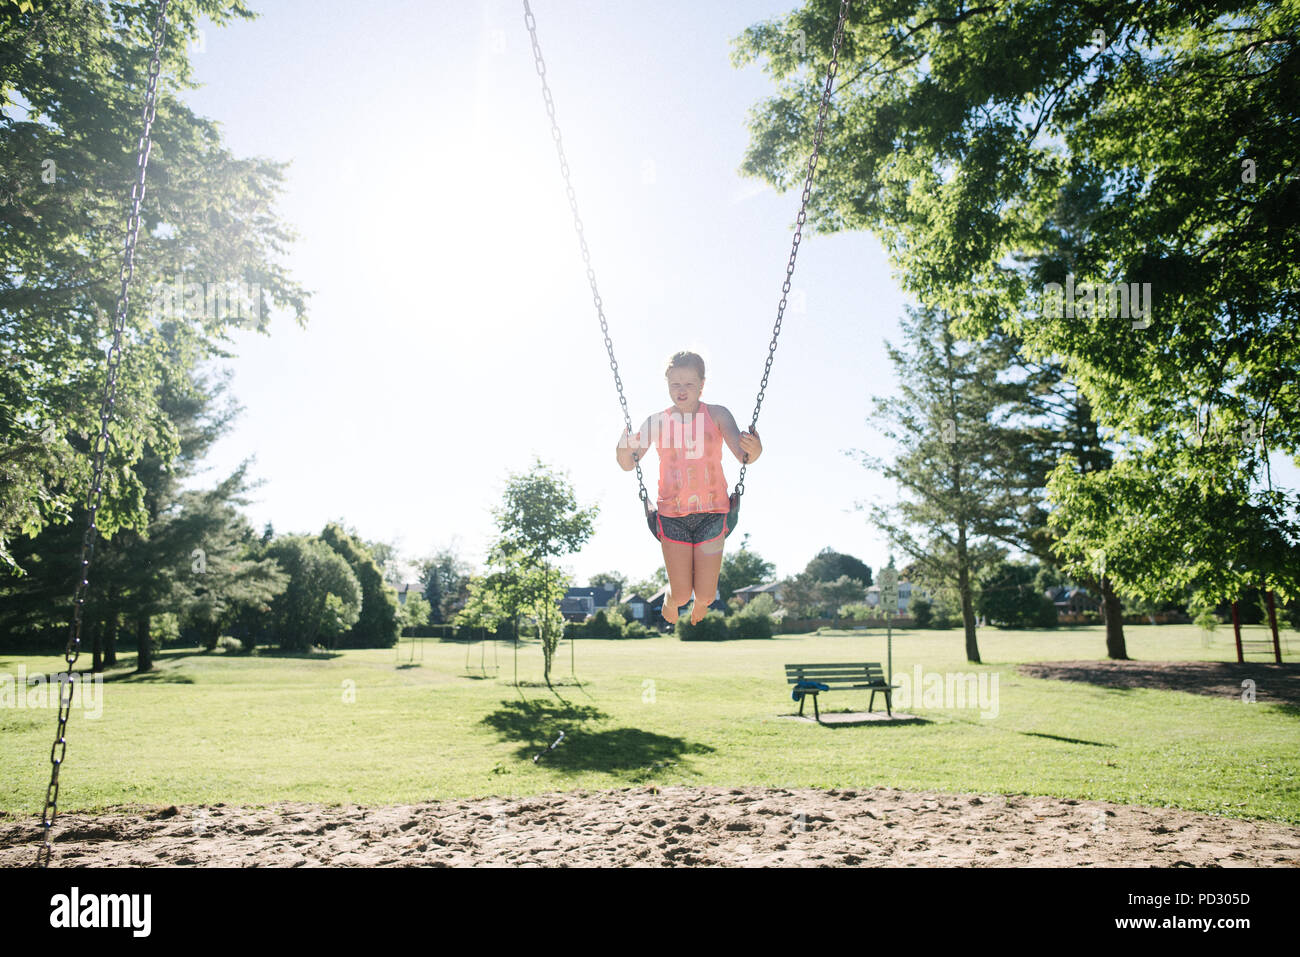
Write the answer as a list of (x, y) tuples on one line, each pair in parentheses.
[(536, 724), (273, 652), (167, 677), (1057, 737), (873, 723), (1268, 683)]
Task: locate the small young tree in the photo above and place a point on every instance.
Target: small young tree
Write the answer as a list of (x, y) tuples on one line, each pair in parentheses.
[(539, 520), (415, 612)]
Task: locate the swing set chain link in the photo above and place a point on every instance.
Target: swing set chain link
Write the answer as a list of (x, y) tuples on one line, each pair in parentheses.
[(99, 447), (798, 228), (531, 22)]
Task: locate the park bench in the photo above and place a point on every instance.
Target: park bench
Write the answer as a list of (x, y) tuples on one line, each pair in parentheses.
[(811, 679)]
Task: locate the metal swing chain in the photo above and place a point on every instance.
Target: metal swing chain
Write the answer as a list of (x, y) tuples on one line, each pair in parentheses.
[(531, 22), (99, 447), (798, 229)]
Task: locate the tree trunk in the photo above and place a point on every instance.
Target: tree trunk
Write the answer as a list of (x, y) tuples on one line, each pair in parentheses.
[(967, 603), (96, 643), (1112, 612), (110, 638), (144, 661), (1272, 622)]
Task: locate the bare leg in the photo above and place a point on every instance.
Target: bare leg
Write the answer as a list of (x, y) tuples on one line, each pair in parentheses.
[(678, 563), (708, 564)]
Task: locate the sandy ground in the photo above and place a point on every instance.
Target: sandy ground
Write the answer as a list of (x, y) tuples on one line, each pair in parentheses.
[(670, 826)]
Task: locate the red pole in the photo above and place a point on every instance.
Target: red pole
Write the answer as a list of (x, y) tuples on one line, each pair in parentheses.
[(1236, 630), (1272, 620)]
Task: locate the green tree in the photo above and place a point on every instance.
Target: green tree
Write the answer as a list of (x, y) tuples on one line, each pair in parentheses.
[(659, 579), (742, 568), (608, 580), (922, 610), (194, 557), (953, 443), (960, 134), (228, 579), (828, 565), (489, 604), (1010, 598), (72, 77), (802, 596), (538, 520), (377, 626), (415, 612), (446, 584), (303, 614)]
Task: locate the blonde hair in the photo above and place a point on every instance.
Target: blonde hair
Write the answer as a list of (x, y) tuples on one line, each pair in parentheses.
[(683, 360)]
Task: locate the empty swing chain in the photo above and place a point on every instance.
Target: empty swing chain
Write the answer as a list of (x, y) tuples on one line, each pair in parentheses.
[(99, 447), (531, 22), (798, 229)]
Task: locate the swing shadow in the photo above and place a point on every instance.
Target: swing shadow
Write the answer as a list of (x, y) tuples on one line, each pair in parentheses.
[(621, 751)]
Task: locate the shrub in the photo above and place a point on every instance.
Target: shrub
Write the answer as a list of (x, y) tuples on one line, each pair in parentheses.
[(922, 612), (636, 629), (858, 611), (1046, 615), (754, 620), (713, 627), (229, 645), (601, 625), (750, 626)]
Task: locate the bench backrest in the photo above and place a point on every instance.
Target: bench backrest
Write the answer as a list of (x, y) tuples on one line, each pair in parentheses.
[(842, 674)]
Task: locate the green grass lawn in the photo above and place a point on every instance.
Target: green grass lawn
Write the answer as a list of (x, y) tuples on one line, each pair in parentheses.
[(357, 726)]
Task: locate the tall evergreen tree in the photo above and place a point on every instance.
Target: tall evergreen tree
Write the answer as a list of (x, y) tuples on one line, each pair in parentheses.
[(959, 493), (539, 520)]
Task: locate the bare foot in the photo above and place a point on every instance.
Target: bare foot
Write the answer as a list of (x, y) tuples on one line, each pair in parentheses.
[(669, 610), (698, 612)]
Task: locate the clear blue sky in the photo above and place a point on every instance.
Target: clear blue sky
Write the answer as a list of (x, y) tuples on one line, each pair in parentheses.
[(452, 335)]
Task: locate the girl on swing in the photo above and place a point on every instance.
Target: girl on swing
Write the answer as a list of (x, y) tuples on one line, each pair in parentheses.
[(693, 501)]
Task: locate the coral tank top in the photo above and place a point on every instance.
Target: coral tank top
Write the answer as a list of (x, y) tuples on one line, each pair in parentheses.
[(690, 464)]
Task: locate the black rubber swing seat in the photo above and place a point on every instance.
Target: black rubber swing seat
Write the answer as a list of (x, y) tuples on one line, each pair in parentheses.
[(733, 516)]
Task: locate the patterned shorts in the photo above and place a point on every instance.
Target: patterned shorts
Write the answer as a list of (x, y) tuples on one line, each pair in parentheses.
[(693, 529)]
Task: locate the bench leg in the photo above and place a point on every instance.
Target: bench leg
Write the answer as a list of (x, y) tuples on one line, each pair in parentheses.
[(816, 710), (801, 701)]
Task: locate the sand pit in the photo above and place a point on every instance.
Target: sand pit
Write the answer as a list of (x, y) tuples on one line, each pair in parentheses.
[(669, 826)]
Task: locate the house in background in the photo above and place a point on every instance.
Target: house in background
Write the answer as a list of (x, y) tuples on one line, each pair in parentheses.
[(640, 607), (750, 592), (905, 592), (414, 588), (579, 604), (1072, 601)]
